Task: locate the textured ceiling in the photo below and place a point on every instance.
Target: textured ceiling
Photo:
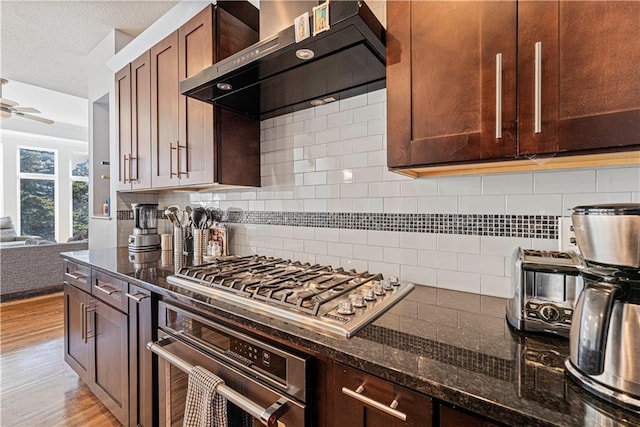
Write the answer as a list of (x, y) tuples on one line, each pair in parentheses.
[(46, 43)]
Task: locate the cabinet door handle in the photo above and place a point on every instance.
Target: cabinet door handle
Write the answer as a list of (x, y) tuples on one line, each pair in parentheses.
[(537, 89), (106, 289), (390, 409), (77, 276), (180, 173), (83, 322), (171, 174), (131, 159), (137, 297), (124, 167), (87, 310), (498, 95)]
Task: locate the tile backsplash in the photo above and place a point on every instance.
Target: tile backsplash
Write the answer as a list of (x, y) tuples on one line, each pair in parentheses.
[(327, 197)]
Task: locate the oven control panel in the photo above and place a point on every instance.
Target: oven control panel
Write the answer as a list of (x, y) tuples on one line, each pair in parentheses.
[(265, 360)]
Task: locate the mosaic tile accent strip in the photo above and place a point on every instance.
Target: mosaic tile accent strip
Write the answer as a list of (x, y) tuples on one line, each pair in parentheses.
[(470, 360), (527, 226)]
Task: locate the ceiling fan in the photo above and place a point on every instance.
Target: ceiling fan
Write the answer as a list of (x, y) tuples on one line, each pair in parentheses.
[(9, 108)]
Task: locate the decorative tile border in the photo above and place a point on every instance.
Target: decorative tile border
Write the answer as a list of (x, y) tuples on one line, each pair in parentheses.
[(470, 360), (526, 226)]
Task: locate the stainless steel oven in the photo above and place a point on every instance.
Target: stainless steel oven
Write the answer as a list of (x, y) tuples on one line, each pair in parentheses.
[(264, 385)]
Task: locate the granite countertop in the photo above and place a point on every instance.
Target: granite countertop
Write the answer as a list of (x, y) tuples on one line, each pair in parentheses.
[(453, 346)]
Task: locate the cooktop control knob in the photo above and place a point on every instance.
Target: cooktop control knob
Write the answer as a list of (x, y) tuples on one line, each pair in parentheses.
[(394, 281), (369, 294), (549, 313), (379, 289), (386, 285), (345, 307)]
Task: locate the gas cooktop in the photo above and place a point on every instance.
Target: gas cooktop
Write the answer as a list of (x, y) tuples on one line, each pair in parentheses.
[(332, 301)]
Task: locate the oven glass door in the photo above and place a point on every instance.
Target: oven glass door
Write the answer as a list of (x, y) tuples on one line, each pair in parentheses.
[(173, 390)]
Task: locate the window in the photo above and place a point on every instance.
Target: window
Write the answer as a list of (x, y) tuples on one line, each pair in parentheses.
[(80, 193), (37, 193)]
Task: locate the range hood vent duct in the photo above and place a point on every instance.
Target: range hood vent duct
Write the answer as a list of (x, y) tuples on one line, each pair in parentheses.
[(268, 79)]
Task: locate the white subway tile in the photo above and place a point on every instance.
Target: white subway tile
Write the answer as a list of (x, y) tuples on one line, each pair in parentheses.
[(544, 244), (315, 247), (368, 174), (401, 256), (353, 102), (285, 231), (328, 260), (377, 127), (267, 123), (283, 194), (293, 205), (283, 119), (273, 205), (438, 260), (418, 275), (368, 252), (303, 140), (502, 246), (328, 234), (340, 205), (394, 176), (383, 238), (315, 178), (328, 163), (635, 196), (376, 96), (352, 131), (305, 233), (386, 269), (305, 192), (340, 176), (340, 249), (343, 118), (264, 230), (384, 189), (300, 166), (327, 191), (459, 281), (367, 143), (273, 243), (459, 186), (353, 236), (304, 257), (482, 204), (323, 110), (303, 115), (368, 205), (414, 240), (458, 243), (517, 183), (315, 205), (359, 265), (572, 200), (290, 129), (256, 205), (569, 181), (270, 134), (610, 180), (501, 287), (544, 204), (339, 148), (377, 158), (242, 205), (329, 135), (315, 151), (484, 264), (400, 205), (419, 187), (438, 204), (369, 112), (280, 253), (354, 190), (318, 123), (355, 160)]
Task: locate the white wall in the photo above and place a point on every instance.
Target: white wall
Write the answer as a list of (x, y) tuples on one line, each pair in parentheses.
[(102, 230), (332, 158)]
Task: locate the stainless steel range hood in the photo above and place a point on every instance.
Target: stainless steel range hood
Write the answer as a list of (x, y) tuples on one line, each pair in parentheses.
[(267, 79)]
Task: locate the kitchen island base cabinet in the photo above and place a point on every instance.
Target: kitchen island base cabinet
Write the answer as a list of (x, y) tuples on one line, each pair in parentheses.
[(361, 399), (76, 346)]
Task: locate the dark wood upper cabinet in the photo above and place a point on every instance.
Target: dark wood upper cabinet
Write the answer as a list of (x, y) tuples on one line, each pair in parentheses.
[(123, 125), (451, 75), (443, 75), (191, 141), (590, 79)]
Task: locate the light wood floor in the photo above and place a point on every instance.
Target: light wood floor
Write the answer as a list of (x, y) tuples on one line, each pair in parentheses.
[(36, 387)]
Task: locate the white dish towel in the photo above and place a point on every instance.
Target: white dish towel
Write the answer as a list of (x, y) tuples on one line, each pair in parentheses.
[(204, 406)]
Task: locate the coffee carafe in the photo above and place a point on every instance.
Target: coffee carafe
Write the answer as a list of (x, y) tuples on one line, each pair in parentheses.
[(145, 235), (605, 333)]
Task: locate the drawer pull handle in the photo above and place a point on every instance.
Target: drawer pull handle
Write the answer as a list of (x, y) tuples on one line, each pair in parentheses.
[(391, 409), (498, 96), (77, 276), (137, 297), (537, 101), (106, 289)]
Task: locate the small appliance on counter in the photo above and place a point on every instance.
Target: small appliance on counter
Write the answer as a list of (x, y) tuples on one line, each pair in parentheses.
[(605, 335), (145, 235), (547, 284)]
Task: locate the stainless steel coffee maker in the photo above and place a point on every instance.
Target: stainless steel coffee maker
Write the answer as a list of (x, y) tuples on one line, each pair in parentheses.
[(145, 235), (605, 333)]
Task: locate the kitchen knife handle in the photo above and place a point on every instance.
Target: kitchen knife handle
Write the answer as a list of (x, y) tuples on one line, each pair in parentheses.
[(537, 89), (499, 96), (387, 409)]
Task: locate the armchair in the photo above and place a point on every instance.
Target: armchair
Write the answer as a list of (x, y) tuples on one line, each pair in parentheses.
[(8, 236)]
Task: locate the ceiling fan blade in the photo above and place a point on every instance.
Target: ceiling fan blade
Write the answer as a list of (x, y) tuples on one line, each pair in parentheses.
[(36, 118), (9, 102), (27, 110)]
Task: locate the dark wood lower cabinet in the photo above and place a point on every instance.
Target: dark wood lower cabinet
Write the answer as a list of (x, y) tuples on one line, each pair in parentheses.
[(452, 417), (141, 395), (77, 348), (359, 399)]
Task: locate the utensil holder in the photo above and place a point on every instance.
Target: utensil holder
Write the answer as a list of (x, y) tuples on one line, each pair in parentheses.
[(178, 248), (200, 239)]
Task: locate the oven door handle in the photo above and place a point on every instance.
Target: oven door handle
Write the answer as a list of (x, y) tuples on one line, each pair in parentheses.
[(267, 416)]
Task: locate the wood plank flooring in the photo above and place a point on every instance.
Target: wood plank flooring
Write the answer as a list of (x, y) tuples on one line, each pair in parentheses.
[(36, 387)]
